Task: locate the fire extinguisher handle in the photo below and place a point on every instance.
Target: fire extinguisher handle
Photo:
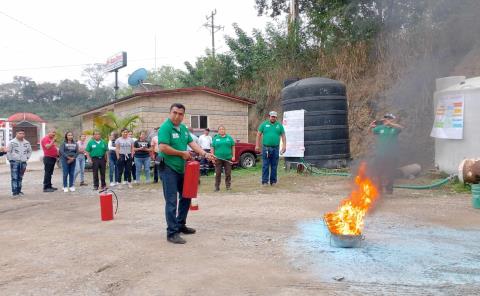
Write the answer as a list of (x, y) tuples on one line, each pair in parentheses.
[(114, 194)]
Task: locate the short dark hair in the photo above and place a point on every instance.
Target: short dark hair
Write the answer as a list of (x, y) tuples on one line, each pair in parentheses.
[(124, 129), (20, 130), (207, 129), (177, 105)]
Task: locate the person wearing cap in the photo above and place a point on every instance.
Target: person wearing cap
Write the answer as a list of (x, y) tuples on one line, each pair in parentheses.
[(205, 141), (386, 132), (271, 131)]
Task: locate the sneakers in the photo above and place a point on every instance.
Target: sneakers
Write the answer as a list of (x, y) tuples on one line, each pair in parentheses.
[(83, 184), (15, 195), (54, 188), (187, 230), (21, 193), (135, 182), (72, 189), (112, 184), (124, 182), (217, 189), (95, 188), (176, 239), (130, 185), (65, 189), (48, 190)]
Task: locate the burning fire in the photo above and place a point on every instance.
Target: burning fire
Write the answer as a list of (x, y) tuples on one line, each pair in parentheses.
[(348, 220)]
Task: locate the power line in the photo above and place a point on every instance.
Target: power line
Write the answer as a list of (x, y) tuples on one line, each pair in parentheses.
[(74, 65), (46, 35)]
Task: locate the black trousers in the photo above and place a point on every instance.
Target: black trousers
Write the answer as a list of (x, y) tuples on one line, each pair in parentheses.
[(124, 165), (99, 164), (48, 167)]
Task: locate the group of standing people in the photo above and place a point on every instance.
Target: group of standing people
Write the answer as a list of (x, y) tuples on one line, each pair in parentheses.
[(119, 153), (128, 158)]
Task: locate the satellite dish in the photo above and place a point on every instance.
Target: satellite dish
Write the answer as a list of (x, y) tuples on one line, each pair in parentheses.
[(137, 77)]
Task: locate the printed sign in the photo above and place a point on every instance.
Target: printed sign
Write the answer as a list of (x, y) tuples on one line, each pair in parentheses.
[(116, 62), (449, 118), (293, 122)]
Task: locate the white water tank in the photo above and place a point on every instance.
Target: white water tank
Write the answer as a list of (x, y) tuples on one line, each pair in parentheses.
[(449, 153)]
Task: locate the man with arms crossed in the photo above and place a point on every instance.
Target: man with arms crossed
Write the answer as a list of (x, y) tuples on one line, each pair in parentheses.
[(173, 139)]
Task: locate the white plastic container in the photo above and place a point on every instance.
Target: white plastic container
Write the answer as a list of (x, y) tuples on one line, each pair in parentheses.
[(449, 153)]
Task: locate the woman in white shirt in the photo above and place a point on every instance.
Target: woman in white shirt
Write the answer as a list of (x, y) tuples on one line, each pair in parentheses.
[(112, 159)]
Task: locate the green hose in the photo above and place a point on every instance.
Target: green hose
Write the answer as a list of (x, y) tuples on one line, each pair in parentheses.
[(425, 187), (324, 172)]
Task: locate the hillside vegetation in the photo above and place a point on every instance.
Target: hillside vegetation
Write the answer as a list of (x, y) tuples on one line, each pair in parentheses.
[(388, 53)]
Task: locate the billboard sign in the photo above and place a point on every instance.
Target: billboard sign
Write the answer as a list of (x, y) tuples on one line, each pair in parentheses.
[(116, 62)]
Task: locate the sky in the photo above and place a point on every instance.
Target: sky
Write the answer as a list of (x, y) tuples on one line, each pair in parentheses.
[(52, 40)]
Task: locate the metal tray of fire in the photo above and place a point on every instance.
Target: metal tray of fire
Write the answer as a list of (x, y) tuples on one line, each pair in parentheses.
[(343, 240)]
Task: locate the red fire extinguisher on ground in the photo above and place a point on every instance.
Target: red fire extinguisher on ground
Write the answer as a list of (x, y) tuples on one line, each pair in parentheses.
[(190, 183), (106, 204)]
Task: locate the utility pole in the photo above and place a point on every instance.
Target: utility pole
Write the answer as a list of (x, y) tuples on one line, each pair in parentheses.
[(293, 11), (214, 29)]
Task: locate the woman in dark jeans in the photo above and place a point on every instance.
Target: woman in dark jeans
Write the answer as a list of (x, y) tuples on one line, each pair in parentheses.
[(68, 155), (124, 152), (112, 160)]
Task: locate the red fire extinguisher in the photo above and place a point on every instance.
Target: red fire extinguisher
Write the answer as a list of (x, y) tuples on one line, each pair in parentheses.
[(106, 204), (190, 180)]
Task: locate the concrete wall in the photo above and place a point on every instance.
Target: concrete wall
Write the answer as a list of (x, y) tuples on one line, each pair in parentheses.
[(155, 109)]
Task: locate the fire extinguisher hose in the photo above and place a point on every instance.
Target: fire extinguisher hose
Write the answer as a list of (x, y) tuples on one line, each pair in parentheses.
[(115, 195)]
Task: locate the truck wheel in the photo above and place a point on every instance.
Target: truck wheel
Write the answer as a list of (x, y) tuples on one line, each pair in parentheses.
[(247, 160)]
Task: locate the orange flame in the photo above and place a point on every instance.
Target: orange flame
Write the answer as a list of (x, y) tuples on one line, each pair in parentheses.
[(348, 220)]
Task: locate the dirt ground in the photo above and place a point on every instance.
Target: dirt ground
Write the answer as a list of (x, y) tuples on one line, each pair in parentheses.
[(252, 241)]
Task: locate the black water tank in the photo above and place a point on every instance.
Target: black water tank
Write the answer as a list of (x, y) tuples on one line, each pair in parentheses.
[(326, 120)]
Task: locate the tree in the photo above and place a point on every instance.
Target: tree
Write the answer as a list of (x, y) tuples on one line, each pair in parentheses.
[(219, 72), (167, 77), (251, 54), (25, 88), (332, 21), (95, 75)]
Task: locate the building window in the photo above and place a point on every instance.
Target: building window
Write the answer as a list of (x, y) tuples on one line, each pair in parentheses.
[(199, 121)]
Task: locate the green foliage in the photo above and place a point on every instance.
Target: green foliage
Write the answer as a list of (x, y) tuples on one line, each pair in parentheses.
[(167, 77), (49, 100), (219, 72), (110, 122)]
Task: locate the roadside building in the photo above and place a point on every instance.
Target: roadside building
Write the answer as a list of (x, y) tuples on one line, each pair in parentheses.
[(206, 108)]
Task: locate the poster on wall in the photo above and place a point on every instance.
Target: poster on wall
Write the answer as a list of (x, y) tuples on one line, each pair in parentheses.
[(293, 122), (449, 118)]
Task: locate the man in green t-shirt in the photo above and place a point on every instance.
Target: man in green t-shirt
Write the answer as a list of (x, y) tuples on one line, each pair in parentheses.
[(173, 139), (271, 131), (386, 132), (96, 152)]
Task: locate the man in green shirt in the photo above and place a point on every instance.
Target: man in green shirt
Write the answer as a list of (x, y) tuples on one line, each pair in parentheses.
[(96, 152), (386, 132), (173, 139), (271, 131)]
